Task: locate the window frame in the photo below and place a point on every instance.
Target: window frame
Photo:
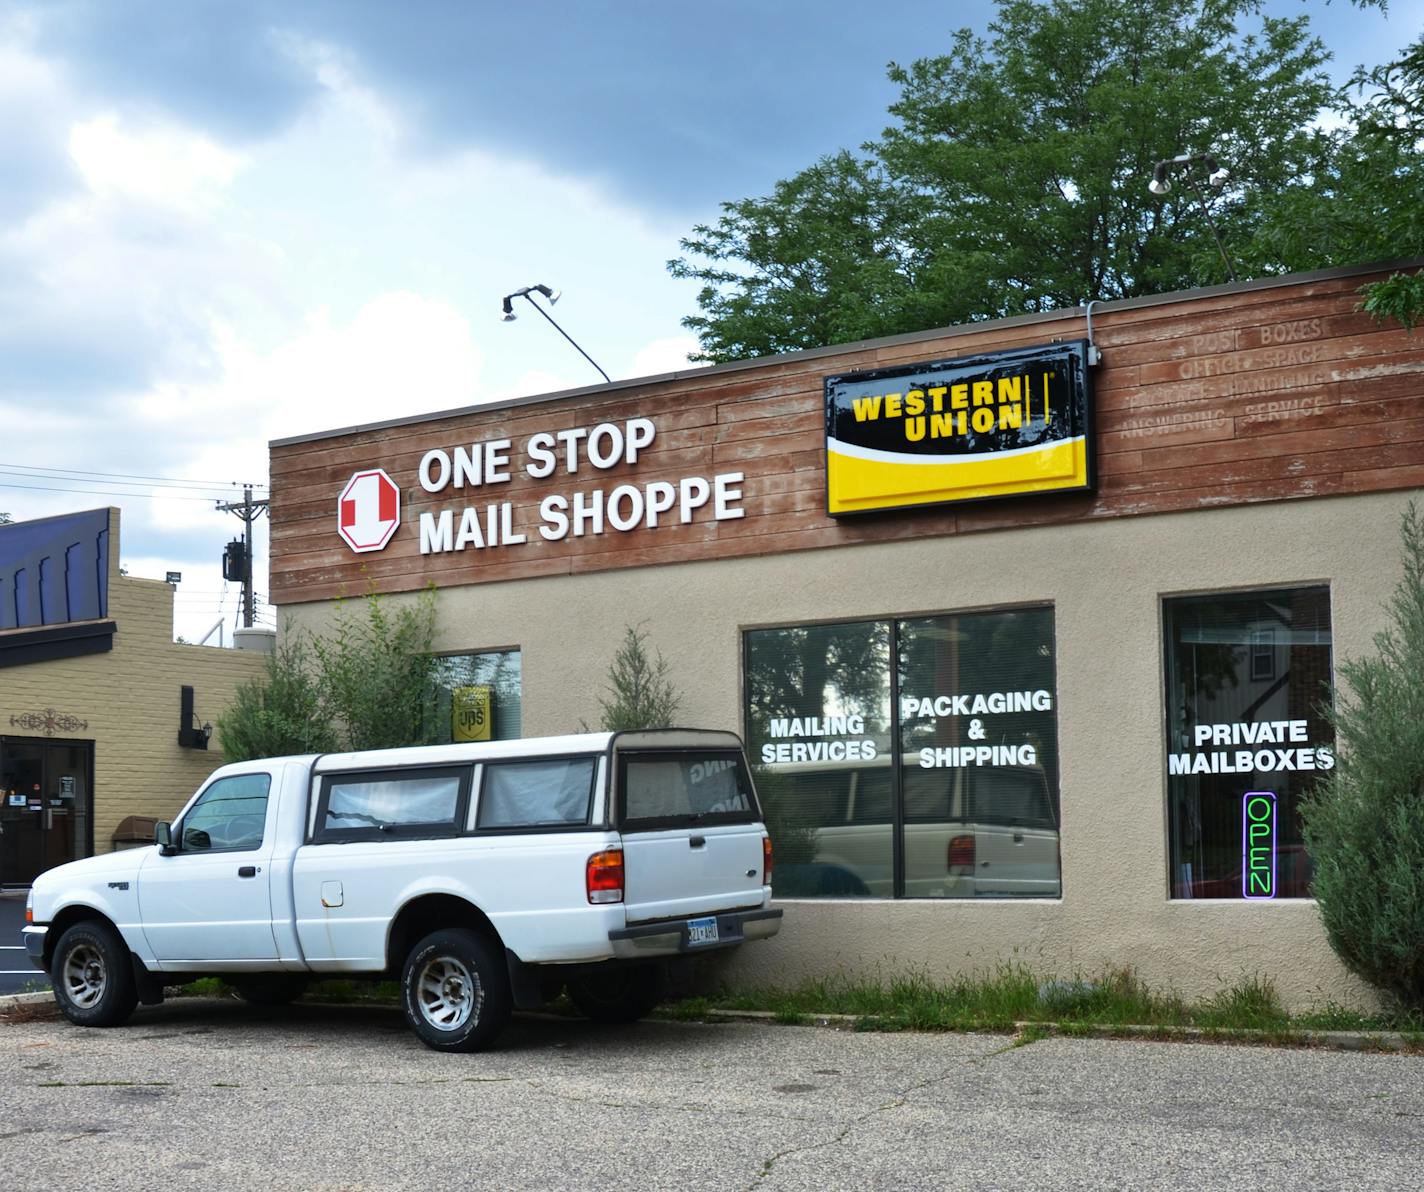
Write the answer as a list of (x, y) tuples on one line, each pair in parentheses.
[(1164, 717), (586, 825), (434, 830), (621, 822), (182, 823), (898, 822), (516, 651)]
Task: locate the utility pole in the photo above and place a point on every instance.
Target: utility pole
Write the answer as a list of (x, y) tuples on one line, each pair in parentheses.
[(249, 510)]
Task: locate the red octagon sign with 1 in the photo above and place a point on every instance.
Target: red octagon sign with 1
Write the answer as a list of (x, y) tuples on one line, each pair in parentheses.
[(368, 510)]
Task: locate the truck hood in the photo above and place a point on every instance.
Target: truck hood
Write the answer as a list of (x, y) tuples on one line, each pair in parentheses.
[(119, 866)]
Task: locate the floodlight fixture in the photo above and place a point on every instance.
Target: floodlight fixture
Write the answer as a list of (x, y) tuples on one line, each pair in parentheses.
[(551, 296), (1216, 177)]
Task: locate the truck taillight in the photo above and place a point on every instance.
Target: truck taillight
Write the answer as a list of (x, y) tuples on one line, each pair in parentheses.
[(766, 860), (604, 876), (961, 851)]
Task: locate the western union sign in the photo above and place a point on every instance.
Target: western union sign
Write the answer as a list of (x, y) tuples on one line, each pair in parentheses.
[(999, 425)]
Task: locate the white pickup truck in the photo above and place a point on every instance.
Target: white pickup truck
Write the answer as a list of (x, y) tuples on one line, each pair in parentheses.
[(485, 877)]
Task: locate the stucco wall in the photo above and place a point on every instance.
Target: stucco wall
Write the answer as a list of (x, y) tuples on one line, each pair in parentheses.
[(129, 698), (1105, 580)]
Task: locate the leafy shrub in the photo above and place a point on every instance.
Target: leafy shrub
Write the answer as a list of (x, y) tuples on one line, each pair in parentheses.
[(377, 674), (281, 713), (368, 684)]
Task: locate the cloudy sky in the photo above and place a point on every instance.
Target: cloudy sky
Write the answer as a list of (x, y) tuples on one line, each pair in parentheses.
[(224, 223)]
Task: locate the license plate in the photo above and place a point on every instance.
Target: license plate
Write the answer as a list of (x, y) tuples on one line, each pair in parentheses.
[(702, 931)]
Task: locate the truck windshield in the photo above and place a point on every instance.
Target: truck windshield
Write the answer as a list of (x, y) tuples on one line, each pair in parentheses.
[(685, 787)]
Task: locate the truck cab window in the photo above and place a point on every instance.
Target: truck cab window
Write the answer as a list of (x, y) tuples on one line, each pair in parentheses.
[(230, 814)]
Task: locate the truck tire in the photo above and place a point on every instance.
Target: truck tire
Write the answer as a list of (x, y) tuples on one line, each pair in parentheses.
[(93, 976), (269, 989), (624, 993), (455, 990)]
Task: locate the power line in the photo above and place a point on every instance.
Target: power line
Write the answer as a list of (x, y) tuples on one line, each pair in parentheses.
[(100, 492), (83, 473)]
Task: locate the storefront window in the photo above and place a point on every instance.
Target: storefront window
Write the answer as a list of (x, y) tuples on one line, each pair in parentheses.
[(979, 755), (478, 697), (818, 720), (1247, 679), (963, 805)]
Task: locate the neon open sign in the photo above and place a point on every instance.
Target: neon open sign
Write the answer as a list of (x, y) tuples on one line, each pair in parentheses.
[(1258, 845)]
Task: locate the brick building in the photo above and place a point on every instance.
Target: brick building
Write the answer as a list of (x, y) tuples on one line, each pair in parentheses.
[(93, 695)]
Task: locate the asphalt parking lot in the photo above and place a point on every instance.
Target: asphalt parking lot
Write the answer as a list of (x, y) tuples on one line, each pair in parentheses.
[(206, 1093), (16, 972)]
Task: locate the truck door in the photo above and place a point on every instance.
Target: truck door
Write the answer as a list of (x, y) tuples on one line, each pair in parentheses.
[(692, 833), (210, 903)]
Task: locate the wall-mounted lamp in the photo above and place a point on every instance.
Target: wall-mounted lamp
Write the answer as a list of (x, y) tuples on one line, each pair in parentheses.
[(552, 296), (191, 734), (1216, 178)]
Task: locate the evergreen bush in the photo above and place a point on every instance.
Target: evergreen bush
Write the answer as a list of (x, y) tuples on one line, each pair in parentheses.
[(640, 694), (1364, 825)]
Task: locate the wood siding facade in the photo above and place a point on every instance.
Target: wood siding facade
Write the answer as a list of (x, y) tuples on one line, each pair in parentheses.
[(1269, 391)]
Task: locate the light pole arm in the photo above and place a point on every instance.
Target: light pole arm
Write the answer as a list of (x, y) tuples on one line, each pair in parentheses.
[(567, 336)]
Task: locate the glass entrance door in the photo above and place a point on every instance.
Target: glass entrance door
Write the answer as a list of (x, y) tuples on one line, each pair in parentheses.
[(45, 805)]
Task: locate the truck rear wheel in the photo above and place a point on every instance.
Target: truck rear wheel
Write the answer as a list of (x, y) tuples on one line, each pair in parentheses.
[(624, 993), (455, 990), (93, 975)]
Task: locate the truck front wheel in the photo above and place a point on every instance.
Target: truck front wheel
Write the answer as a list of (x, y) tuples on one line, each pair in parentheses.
[(93, 975), (455, 990)]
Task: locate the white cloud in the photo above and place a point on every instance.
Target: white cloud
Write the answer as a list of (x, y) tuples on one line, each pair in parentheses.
[(323, 278), (160, 165), (665, 356)]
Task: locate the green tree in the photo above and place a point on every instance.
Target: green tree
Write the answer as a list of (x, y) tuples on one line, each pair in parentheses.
[(1364, 826), (640, 694), (1013, 178), (1393, 120), (282, 713)]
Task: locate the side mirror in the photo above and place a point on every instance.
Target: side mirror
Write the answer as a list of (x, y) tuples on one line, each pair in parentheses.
[(163, 837)]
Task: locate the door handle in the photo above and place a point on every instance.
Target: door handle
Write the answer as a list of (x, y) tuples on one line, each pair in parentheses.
[(696, 841), (1018, 837), (247, 871)]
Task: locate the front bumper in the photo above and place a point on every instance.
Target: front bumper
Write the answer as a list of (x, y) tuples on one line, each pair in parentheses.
[(34, 938), (670, 937)]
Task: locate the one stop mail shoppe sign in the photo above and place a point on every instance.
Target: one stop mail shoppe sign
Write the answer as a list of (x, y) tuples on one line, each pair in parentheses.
[(996, 425), (467, 480)]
